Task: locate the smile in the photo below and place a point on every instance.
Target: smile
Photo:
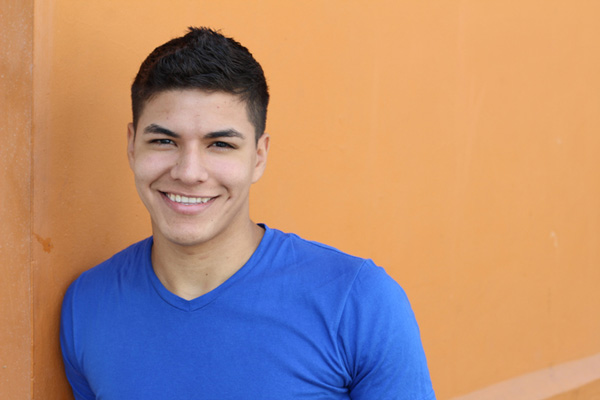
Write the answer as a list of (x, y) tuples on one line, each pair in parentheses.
[(187, 200)]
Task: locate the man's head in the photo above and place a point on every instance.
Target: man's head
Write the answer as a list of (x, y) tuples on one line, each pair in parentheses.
[(203, 59)]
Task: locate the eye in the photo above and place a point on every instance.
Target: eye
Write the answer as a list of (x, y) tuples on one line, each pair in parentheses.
[(161, 142), (222, 145)]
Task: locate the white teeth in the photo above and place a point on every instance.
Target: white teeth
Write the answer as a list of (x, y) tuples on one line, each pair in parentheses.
[(187, 200)]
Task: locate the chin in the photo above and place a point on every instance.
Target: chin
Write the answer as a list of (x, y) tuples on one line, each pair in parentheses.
[(188, 240), (180, 235)]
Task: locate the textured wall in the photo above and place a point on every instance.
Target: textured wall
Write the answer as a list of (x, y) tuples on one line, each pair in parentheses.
[(16, 53)]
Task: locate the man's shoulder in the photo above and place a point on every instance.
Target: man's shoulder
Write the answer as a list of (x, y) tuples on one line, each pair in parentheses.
[(322, 258), (121, 265), (300, 250), (321, 261)]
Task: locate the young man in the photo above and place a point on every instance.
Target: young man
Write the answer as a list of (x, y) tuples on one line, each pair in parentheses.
[(213, 306)]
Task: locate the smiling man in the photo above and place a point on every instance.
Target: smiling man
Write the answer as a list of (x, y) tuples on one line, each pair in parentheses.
[(214, 306)]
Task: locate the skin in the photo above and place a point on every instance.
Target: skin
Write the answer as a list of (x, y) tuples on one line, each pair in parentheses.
[(199, 145)]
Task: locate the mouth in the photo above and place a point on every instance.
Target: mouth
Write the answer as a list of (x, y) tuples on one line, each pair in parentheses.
[(187, 200)]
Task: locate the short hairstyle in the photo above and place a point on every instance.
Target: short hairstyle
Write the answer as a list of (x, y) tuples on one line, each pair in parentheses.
[(203, 59)]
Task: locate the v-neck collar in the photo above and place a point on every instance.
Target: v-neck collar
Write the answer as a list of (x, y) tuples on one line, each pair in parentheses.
[(207, 298)]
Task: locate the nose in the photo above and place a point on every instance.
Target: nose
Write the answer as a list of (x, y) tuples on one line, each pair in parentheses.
[(189, 167)]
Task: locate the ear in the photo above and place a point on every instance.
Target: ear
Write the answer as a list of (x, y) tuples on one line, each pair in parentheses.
[(262, 150), (131, 144)]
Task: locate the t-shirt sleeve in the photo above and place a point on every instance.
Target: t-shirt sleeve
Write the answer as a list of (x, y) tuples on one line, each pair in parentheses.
[(79, 384), (380, 340)]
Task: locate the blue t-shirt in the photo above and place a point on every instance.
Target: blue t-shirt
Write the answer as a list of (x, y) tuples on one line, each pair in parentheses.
[(300, 320)]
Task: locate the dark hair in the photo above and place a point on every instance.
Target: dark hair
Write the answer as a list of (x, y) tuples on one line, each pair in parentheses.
[(203, 59)]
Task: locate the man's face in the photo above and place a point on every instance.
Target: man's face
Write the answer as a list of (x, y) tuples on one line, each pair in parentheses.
[(194, 157)]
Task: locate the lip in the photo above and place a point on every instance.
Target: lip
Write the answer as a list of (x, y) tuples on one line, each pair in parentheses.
[(188, 209)]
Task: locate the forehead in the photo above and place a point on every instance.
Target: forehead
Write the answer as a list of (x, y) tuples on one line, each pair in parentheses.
[(195, 107)]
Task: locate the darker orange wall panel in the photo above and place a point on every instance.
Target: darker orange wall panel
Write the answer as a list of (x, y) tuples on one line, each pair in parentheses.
[(16, 52)]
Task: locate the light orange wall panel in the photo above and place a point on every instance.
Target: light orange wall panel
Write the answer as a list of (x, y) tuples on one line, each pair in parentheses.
[(588, 392), (16, 53), (453, 142)]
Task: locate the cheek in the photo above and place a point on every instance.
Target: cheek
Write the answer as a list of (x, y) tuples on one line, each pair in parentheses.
[(150, 166), (230, 171)]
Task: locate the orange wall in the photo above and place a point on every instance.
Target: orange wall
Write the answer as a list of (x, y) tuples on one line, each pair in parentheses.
[(16, 54), (453, 142)]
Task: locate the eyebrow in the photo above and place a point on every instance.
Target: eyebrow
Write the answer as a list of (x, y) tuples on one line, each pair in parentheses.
[(229, 133), (153, 128)]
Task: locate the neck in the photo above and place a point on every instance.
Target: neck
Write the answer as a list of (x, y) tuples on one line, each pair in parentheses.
[(191, 271)]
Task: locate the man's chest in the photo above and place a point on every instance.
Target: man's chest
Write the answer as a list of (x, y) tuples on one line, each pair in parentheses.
[(218, 353)]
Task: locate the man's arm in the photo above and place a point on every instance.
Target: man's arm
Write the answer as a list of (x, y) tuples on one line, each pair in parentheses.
[(79, 384), (381, 342)]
